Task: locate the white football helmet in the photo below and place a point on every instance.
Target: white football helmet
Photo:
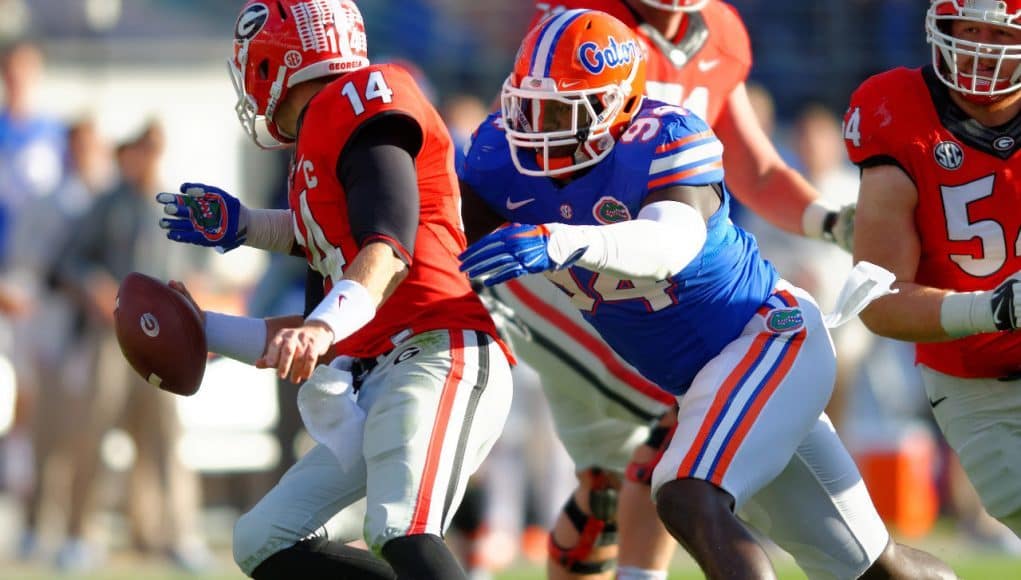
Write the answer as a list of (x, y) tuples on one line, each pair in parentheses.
[(973, 80)]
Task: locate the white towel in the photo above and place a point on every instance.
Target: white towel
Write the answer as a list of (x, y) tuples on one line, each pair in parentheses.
[(331, 413), (865, 283)]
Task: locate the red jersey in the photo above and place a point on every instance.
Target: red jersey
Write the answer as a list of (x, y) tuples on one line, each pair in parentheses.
[(434, 295), (967, 216), (698, 68)]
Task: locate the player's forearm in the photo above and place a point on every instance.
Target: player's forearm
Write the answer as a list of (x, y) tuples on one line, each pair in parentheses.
[(270, 229), (243, 338), (781, 196), (911, 315), (665, 237), (368, 281)]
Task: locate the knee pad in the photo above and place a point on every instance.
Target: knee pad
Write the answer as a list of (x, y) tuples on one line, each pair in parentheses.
[(640, 470), (598, 528)]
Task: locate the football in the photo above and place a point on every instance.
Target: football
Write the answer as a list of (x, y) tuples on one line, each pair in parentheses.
[(161, 334)]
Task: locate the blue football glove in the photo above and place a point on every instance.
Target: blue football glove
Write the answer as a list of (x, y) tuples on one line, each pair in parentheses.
[(508, 252), (205, 216)]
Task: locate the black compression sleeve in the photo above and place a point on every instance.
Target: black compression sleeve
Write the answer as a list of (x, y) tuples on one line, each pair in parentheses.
[(377, 170)]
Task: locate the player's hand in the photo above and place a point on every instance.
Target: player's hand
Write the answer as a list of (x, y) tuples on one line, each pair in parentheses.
[(179, 287), (839, 227), (508, 252), (204, 215), (294, 352), (1006, 303)]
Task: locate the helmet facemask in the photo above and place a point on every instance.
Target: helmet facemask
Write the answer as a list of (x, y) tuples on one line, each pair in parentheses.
[(567, 130), (974, 80), (259, 127)]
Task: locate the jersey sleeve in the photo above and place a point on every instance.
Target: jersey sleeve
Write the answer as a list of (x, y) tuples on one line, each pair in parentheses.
[(871, 127), (687, 153), (487, 163)]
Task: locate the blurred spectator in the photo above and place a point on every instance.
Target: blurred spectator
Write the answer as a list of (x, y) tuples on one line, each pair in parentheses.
[(116, 237), (31, 152), (56, 326), (462, 113), (31, 145)]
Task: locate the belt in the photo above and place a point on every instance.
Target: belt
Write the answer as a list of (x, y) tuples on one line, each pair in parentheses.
[(361, 367)]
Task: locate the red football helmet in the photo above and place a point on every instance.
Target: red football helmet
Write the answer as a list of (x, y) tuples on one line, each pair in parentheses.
[(987, 76), (280, 43), (677, 5), (577, 82)]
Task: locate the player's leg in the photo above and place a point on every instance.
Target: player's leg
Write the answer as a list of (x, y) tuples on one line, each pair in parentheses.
[(981, 420), (292, 528), (646, 547), (602, 409), (738, 426), (819, 511), (435, 407)]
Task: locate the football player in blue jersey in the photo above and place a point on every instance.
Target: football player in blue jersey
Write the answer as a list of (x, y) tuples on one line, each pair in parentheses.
[(620, 201)]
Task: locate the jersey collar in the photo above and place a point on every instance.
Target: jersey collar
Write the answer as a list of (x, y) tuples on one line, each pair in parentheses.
[(1001, 141)]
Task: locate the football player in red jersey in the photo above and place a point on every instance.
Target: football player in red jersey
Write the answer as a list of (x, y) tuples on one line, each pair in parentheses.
[(699, 57), (938, 149), (374, 209)]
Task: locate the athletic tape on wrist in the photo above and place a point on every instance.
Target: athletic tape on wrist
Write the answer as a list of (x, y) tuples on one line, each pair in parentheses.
[(270, 229), (966, 313)]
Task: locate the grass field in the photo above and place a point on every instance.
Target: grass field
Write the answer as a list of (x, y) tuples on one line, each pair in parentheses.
[(969, 565)]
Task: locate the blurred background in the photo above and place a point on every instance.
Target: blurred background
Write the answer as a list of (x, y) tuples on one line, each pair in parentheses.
[(107, 102)]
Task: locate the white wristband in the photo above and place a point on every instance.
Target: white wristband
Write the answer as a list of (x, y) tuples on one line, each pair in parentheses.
[(966, 313), (346, 308), (270, 229), (238, 337), (813, 221)]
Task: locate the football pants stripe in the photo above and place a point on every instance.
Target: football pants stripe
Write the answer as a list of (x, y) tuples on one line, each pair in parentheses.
[(423, 503)]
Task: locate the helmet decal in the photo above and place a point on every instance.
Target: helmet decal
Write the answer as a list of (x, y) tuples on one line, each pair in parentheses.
[(251, 21), (595, 58)]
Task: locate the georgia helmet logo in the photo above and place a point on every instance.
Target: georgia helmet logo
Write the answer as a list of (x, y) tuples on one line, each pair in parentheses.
[(150, 326), (251, 21), (949, 155)]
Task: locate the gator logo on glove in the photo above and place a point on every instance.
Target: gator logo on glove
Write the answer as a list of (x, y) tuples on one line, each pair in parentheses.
[(208, 215)]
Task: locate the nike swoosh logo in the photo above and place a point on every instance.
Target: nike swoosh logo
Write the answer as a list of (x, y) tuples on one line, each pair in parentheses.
[(513, 205), (708, 65), (936, 402)]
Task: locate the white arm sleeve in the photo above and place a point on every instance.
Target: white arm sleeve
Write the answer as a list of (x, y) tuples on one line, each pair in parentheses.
[(664, 238), (270, 229)]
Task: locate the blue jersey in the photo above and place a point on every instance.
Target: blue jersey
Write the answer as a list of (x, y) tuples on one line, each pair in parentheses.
[(668, 329)]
